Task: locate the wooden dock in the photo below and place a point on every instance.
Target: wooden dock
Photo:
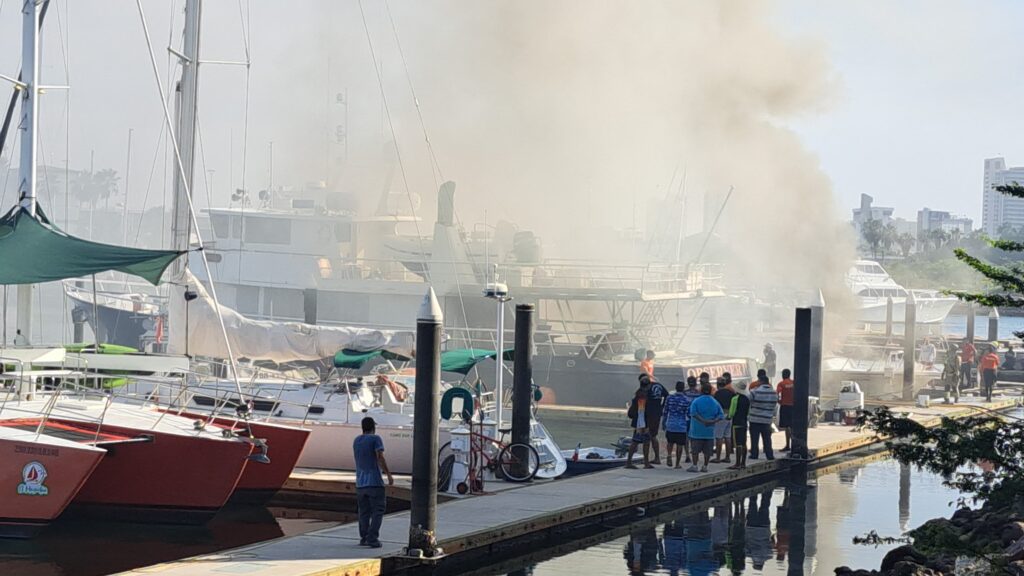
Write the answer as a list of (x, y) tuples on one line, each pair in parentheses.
[(513, 518)]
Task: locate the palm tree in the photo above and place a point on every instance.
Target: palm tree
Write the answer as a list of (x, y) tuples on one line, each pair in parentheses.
[(906, 242), (889, 235), (939, 237), (872, 232)]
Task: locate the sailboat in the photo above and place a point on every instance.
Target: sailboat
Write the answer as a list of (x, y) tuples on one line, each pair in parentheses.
[(164, 468)]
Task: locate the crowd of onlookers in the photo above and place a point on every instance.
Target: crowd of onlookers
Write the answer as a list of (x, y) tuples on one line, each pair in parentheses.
[(707, 423)]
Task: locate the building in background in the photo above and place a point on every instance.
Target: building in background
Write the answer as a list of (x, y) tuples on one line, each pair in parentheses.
[(868, 212), (928, 220), (998, 209)]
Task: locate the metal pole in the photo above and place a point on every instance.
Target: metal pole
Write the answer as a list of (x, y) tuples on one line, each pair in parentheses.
[(522, 377), (423, 509), (29, 125), (499, 362), (909, 345), (127, 175), (888, 317), (993, 325), (802, 354), (96, 314)]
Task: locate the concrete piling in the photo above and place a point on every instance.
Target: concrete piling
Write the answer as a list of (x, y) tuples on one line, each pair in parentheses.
[(423, 509), (888, 317), (993, 325), (909, 346), (970, 322)]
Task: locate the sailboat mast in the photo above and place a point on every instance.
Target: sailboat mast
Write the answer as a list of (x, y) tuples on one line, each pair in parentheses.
[(186, 101), (29, 125)]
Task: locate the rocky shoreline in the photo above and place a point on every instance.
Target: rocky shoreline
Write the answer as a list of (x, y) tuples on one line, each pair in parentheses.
[(942, 547)]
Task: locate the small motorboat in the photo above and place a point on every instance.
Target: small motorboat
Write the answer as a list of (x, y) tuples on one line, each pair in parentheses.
[(593, 459)]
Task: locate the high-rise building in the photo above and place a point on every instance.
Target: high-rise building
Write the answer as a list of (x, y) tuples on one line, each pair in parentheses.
[(868, 212), (928, 220), (997, 208)]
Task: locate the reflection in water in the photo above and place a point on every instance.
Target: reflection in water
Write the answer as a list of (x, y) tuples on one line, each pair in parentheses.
[(773, 529), (89, 547)]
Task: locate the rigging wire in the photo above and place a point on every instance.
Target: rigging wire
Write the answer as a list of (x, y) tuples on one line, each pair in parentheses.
[(246, 25), (394, 137), (188, 198), (149, 182)]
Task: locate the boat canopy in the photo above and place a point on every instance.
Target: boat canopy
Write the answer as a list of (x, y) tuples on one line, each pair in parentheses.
[(354, 359), (463, 360), (33, 250)]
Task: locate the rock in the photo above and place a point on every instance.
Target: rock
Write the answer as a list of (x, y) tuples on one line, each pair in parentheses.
[(1012, 532), (907, 568), (847, 571), (1016, 568), (962, 516), (904, 553), (1015, 551)]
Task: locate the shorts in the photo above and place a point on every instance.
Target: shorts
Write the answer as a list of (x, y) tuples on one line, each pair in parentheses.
[(702, 446), (641, 437), (739, 435), (676, 438), (654, 424), (785, 416), (722, 428)]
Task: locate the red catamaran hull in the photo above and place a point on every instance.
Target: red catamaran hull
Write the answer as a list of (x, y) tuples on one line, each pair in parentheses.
[(260, 481), (32, 497), (174, 479)]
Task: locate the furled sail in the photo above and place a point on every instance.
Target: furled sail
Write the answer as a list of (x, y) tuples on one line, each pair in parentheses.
[(275, 341)]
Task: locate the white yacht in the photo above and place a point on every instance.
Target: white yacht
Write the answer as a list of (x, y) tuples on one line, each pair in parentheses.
[(873, 286)]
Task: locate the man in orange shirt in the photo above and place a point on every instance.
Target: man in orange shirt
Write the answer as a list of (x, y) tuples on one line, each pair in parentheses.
[(647, 364), (967, 354), (989, 366), (785, 392)]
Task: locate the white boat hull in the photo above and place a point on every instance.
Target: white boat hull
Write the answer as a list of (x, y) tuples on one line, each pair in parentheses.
[(929, 310)]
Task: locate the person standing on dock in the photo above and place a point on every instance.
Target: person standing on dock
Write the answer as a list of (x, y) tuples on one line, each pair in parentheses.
[(927, 355), (967, 354), (704, 413), (677, 422), (656, 395), (723, 428), (989, 372), (638, 420), (785, 391), (739, 411), (763, 400), (371, 498), (769, 360)]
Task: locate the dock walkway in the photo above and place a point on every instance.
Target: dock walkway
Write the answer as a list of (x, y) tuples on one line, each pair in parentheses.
[(480, 525)]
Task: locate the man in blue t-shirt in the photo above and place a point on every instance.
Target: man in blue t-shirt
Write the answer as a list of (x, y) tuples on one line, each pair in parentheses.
[(368, 449), (705, 411), (677, 422)]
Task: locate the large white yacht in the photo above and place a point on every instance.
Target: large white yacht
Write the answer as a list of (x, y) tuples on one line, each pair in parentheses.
[(873, 286)]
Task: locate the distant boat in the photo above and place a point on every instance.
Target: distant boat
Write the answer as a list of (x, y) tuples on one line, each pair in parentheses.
[(874, 286)]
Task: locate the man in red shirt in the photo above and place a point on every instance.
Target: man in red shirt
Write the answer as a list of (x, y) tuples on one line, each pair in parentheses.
[(785, 392), (989, 366), (967, 354)]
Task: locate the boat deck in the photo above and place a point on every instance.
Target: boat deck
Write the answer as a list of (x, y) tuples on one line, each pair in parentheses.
[(531, 513)]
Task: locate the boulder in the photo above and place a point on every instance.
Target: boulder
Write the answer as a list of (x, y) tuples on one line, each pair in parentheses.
[(904, 553), (1012, 532), (907, 568)]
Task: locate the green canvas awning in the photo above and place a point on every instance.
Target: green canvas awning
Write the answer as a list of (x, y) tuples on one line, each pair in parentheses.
[(462, 360), (354, 359), (33, 250)]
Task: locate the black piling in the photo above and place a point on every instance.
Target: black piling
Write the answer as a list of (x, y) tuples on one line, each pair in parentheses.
[(802, 354), (309, 298), (909, 345), (423, 509), (522, 380)]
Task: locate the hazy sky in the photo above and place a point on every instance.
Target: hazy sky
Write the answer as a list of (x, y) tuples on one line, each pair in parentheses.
[(922, 91), (927, 90)]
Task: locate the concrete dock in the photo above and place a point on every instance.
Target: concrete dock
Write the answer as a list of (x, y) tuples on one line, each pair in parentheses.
[(513, 518)]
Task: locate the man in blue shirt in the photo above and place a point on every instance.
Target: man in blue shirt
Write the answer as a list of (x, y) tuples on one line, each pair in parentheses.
[(677, 422), (368, 449), (704, 413)]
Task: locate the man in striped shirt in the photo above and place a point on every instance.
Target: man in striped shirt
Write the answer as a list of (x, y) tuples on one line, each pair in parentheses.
[(763, 400)]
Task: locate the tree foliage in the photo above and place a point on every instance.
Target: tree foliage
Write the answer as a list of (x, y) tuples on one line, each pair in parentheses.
[(955, 447)]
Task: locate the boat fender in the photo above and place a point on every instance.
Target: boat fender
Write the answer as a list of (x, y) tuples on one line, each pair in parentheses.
[(449, 398)]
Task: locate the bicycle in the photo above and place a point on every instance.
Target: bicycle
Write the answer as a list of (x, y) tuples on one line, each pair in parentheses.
[(515, 462)]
